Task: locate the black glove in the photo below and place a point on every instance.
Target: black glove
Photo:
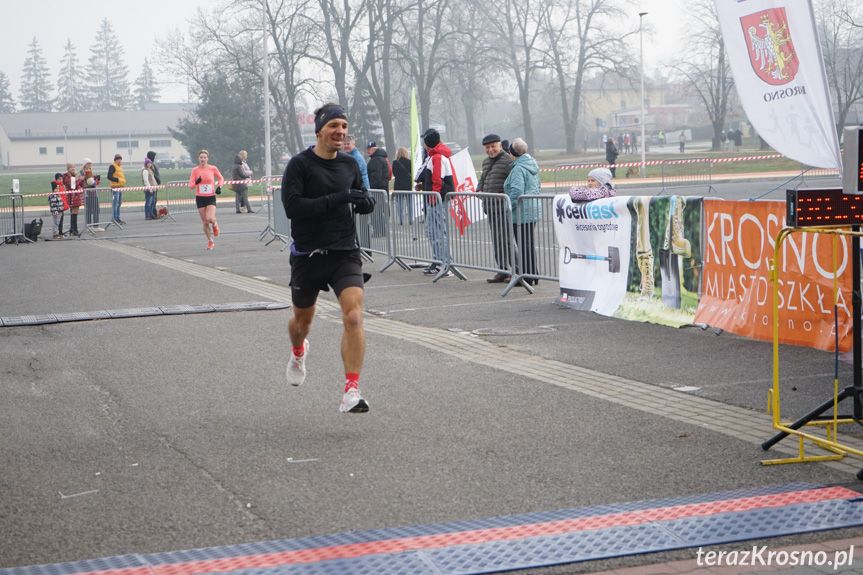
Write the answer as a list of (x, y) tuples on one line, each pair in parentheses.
[(218, 190), (358, 196), (198, 181), (97, 178)]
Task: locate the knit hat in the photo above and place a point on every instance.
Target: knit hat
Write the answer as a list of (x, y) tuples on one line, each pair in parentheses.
[(86, 161), (148, 161), (431, 138), (490, 139), (117, 157), (601, 175), (372, 145)]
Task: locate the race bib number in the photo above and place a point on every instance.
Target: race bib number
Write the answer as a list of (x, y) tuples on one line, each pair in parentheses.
[(205, 189)]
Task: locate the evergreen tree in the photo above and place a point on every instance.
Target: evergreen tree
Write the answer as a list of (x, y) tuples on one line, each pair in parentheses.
[(107, 79), (7, 102), (35, 93), (229, 118), (146, 89), (366, 122), (71, 96)]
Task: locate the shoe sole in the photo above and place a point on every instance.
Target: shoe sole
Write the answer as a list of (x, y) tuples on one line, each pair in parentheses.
[(362, 406)]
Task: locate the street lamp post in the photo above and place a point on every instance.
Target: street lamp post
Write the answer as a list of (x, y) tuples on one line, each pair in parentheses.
[(641, 16), (266, 73), (65, 144)]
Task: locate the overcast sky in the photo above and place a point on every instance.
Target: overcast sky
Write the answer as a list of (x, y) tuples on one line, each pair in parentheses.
[(140, 25)]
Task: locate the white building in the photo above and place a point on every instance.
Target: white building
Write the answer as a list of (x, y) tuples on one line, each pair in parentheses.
[(51, 139)]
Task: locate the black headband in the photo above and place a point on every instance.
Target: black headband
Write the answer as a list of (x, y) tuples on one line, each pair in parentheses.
[(328, 113)]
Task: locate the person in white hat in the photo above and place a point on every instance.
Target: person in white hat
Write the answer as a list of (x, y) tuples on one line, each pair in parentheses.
[(599, 185)]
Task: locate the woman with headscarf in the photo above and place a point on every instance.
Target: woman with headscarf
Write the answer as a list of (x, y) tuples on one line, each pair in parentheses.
[(598, 186), (523, 180)]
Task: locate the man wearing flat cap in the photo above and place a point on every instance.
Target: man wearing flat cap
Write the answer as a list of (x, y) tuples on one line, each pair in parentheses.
[(495, 170)]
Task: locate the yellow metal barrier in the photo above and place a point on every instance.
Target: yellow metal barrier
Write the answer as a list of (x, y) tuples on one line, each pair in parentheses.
[(829, 438)]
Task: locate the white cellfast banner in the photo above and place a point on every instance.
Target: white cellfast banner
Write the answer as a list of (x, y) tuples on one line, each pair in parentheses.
[(775, 56), (594, 239)]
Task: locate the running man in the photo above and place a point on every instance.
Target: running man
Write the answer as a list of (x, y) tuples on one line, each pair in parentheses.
[(321, 190)]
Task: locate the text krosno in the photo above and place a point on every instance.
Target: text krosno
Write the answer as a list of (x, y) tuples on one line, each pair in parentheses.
[(786, 93), (761, 556)]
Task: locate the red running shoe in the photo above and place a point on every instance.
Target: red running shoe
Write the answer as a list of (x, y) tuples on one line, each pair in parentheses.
[(210, 245), (216, 230)]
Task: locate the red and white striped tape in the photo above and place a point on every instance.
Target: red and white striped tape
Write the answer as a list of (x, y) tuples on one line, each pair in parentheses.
[(137, 188), (658, 162)]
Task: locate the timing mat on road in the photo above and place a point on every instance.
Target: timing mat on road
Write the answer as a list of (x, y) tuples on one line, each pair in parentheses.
[(514, 542)]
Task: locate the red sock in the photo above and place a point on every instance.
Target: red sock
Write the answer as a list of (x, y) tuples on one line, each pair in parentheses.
[(352, 380), (299, 351)]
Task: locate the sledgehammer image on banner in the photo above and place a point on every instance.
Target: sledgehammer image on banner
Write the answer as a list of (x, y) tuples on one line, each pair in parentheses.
[(775, 56)]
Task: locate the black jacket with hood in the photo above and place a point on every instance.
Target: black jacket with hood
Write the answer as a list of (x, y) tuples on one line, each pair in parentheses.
[(152, 155), (379, 170)]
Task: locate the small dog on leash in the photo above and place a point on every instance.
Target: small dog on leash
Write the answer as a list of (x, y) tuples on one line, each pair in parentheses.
[(632, 172)]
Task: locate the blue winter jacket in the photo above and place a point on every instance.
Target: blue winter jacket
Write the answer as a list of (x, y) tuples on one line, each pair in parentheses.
[(523, 180), (364, 170)]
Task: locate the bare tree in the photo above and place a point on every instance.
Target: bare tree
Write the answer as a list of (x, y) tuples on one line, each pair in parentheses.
[(578, 43), (336, 22), (426, 29), (706, 70), (373, 65), (842, 50), (520, 35)]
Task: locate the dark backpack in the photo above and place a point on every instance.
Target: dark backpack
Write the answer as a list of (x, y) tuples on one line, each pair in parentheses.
[(33, 229)]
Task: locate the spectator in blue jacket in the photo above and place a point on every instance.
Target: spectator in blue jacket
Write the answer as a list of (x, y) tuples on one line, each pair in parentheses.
[(350, 147), (523, 180)]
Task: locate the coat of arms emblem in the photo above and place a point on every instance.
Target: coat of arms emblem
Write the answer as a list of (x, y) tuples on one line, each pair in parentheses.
[(771, 51)]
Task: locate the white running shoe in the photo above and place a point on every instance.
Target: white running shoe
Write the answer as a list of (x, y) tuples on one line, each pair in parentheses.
[(353, 402), (296, 371)]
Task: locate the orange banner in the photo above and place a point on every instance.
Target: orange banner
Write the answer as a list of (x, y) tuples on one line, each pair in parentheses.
[(737, 296)]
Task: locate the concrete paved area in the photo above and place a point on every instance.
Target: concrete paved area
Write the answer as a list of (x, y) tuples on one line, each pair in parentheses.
[(179, 432)]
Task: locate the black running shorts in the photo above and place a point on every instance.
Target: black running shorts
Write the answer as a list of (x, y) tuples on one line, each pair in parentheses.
[(318, 272), (204, 201)]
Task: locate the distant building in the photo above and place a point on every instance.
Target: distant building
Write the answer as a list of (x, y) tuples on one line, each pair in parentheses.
[(48, 139)]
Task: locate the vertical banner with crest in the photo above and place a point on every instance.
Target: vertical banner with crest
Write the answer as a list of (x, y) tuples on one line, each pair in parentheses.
[(775, 56)]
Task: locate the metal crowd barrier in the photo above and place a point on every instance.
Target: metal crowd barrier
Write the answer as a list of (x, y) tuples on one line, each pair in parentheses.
[(687, 173), (409, 241), (545, 254), (373, 230), (179, 199), (12, 218), (281, 225), (99, 209), (485, 244), (818, 174), (568, 175)]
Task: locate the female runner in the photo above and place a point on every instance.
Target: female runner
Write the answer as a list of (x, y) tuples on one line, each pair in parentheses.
[(204, 181)]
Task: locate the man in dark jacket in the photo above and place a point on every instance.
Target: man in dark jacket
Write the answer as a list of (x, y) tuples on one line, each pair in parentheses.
[(495, 169), (152, 155), (380, 174)]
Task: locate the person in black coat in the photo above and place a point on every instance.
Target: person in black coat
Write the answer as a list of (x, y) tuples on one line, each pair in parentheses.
[(404, 182), (380, 175), (611, 154)]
